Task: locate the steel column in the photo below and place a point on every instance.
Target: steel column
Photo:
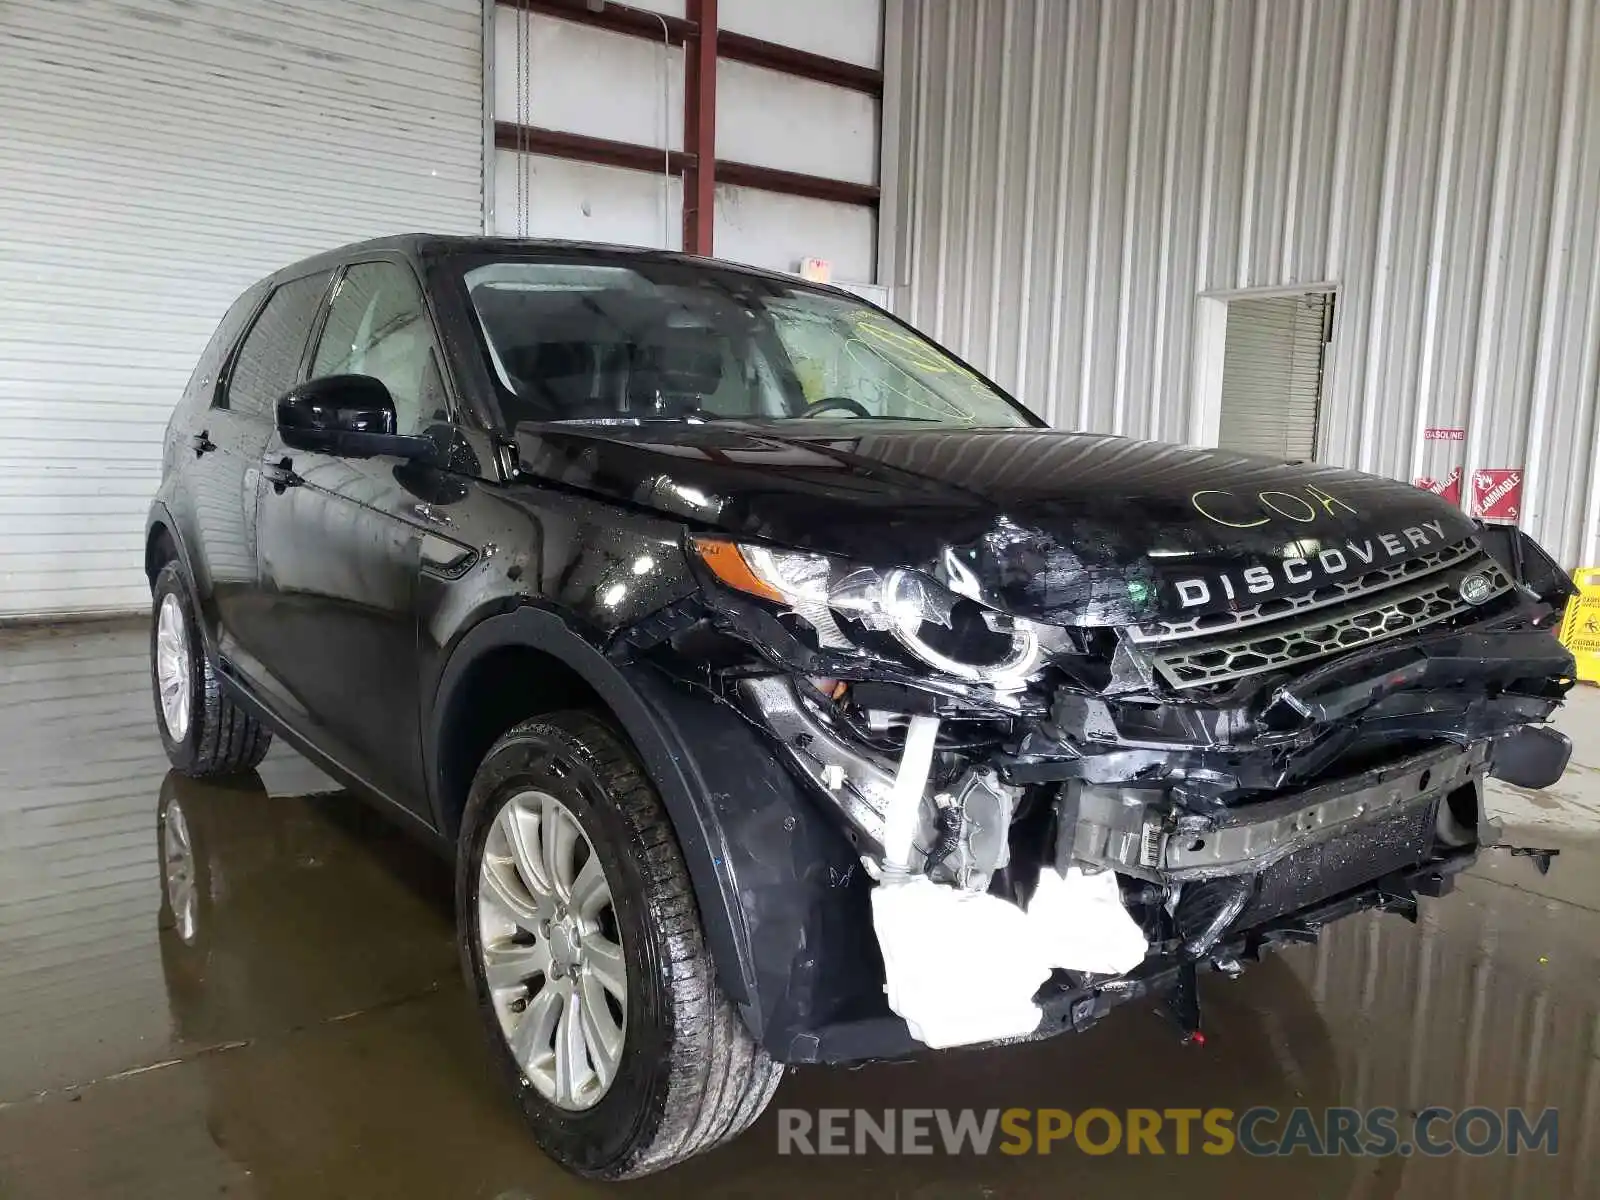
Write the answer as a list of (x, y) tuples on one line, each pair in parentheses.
[(700, 127)]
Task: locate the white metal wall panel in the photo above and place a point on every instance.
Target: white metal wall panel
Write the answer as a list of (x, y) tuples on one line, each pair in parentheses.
[(773, 119), (766, 229), (1073, 177), (849, 30), (670, 8), (566, 199), (156, 158), (560, 75), (583, 80)]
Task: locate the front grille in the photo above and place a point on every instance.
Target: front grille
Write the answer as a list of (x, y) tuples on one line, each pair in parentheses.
[(1425, 597), (1279, 607)]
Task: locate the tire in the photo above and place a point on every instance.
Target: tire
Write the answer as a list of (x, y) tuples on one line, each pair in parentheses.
[(216, 737), (688, 1076)]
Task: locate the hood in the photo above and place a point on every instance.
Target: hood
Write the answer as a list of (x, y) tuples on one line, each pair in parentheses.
[(1070, 528)]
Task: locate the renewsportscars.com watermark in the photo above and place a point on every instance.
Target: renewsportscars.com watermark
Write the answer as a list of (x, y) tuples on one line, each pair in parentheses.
[(1371, 1132)]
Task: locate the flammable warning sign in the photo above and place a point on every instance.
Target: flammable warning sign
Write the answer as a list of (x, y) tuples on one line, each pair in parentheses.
[(1580, 630)]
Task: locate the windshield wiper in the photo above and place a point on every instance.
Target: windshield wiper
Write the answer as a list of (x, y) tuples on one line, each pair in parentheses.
[(895, 417), (696, 419)]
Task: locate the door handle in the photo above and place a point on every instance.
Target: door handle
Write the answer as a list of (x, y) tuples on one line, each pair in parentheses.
[(202, 443), (280, 474)]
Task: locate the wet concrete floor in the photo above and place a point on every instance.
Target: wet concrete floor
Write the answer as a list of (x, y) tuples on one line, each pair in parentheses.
[(290, 1021)]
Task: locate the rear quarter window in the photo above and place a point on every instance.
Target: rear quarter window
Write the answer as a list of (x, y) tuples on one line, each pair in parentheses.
[(202, 385)]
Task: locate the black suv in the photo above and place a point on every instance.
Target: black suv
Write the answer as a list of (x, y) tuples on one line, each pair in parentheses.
[(787, 693)]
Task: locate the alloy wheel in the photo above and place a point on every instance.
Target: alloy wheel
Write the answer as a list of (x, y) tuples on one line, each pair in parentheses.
[(172, 667), (551, 950)]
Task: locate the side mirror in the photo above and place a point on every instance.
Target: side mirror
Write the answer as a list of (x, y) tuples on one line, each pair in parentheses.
[(351, 416)]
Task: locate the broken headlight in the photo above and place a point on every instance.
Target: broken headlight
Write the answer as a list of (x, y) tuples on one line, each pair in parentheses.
[(863, 609)]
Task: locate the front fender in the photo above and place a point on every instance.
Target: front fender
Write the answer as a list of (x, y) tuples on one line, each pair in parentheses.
[(781, 895)]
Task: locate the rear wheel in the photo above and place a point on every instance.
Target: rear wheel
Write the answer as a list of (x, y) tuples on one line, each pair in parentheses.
[(204, 732), (581, 940)]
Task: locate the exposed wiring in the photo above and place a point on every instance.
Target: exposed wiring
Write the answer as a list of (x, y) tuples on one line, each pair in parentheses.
[(949, 822)]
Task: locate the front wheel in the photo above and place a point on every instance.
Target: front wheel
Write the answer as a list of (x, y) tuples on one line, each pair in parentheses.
[(581, 940)]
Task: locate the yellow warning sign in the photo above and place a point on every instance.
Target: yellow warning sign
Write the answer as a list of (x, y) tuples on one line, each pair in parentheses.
[(1580, 630)]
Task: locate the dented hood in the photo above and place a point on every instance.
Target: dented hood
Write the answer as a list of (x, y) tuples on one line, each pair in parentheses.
[(1072, 528)]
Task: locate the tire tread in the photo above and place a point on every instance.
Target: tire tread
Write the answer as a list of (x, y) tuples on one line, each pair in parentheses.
[(720, 1080)]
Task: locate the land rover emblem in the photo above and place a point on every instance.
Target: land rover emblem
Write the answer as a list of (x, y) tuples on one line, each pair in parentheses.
[(1475, 589)]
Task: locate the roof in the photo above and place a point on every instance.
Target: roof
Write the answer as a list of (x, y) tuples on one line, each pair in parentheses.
[(435, 245)]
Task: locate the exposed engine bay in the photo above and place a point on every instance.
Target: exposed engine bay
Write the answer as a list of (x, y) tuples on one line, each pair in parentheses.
[(1099, 802)]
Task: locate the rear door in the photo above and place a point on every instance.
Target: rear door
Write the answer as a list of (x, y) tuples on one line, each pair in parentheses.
[(227, 441), (343, 541)]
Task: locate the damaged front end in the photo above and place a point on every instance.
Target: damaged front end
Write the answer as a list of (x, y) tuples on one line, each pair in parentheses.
[(1104, 807)]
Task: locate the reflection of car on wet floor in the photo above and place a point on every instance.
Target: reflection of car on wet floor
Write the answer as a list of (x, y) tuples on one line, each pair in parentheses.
[(254, 890), (761, 667)]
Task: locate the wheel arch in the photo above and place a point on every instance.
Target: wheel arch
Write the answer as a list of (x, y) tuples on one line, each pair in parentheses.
[(160, 546), (164, 543), (573, 674)]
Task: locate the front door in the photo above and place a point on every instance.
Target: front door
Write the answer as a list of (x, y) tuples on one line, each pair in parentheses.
[(342, 541)]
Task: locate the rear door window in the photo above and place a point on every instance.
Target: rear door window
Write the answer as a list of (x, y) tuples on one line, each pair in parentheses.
[(268, 362)]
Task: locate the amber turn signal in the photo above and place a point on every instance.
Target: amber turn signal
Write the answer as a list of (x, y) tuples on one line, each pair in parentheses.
[(728, 564)]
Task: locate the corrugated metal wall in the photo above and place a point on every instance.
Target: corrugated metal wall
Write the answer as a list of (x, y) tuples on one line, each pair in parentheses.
[(1075, 174), (155, 159)]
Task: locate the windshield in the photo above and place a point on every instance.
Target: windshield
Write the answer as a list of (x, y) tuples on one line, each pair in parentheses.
[(575, 341)]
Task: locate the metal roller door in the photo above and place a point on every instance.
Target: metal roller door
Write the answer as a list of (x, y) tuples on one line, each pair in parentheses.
[(156, 158), (1272, 375)]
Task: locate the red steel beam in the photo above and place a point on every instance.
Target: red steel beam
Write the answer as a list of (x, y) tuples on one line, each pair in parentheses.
[(581, 147), (700, 128), (774, 56), (793, 183)]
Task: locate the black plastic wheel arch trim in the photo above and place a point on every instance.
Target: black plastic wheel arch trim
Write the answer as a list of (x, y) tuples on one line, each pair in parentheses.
[(670, 765)]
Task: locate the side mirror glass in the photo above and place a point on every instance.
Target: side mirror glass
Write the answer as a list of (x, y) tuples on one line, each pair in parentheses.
[(348, 415)]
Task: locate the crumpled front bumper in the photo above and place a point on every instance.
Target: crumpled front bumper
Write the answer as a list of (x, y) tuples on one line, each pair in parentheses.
[(1121, 829), (1219, 822), (1070, 1005)]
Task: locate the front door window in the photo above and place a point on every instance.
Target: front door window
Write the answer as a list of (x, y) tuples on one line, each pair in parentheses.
[(378, 326)]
